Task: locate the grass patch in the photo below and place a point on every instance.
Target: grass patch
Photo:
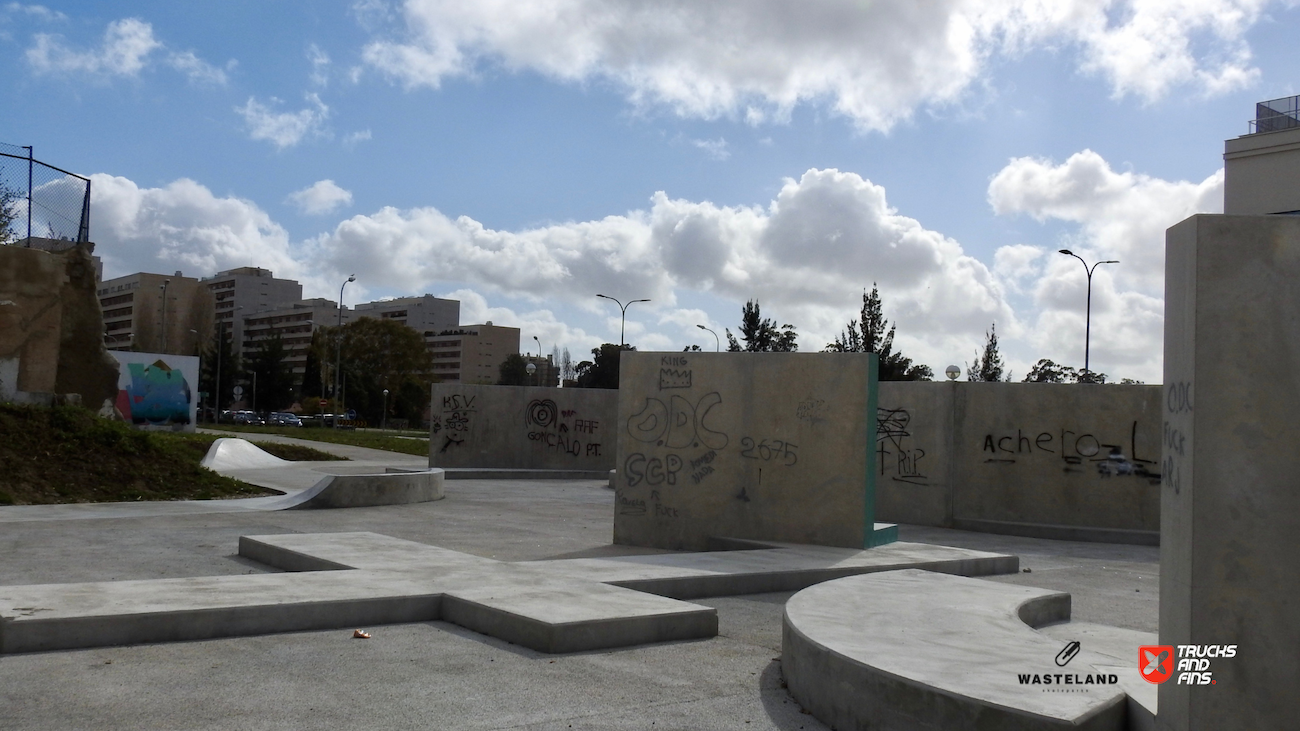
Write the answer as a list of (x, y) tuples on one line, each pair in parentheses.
[(372, 440), (67, 454)]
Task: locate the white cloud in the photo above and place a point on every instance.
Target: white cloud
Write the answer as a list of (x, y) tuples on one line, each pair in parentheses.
[(1121, 216), (320, 65), (127, 49), (872, 62), (284, 129), (36, 11), (198, 70), (323, 196), (183, 226), (127, 44), (715, 149), (807, 257), (355, 137), (542, 323)]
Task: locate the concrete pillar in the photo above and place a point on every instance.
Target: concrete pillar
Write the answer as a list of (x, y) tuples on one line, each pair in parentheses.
[(1230, 498)]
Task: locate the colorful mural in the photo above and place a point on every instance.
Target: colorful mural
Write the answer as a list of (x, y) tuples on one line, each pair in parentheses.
[(157, 391)]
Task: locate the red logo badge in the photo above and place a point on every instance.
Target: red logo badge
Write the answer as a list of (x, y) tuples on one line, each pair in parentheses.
[(1156, 662)]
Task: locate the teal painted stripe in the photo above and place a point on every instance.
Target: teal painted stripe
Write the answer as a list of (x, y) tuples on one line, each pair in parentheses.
[(869, 538)]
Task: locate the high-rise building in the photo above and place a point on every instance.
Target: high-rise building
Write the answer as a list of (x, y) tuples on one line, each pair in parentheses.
[(426, 314), (294, 324), (247, 290), (472, 353), (156, 313)]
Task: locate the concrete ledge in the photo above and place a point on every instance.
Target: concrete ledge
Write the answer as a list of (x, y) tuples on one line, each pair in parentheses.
[(488, 473), (1060, 532), (914, 649), (359, 491)]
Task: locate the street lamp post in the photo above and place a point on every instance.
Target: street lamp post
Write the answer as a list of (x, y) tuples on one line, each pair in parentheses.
[(1087, 336), (622, 329), (717, 344), (163, 287), (338, 350), (383, 419), (539, 357)]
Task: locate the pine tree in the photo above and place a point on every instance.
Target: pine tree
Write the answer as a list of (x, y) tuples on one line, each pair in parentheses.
[(762, 335), (989, 365), (868, 334)]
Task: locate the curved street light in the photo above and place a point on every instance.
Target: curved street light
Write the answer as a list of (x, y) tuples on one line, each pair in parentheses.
[(338, 350), (1087, 336), (622, 339), (717, 344)]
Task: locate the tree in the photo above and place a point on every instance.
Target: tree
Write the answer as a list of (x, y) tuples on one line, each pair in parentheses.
[(514, 371), (602, 370), (568, 369), (762, 335), (867, 335), (988, 365), (222, 395), (1045, 371), (9, 199), (692, 348), (376, 354), (274, 382)]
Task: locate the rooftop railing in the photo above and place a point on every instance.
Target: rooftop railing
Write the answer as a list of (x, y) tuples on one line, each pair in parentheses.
[(1276, 115)]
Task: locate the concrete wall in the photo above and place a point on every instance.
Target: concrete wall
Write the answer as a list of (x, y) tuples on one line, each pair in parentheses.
[(1230, 511), (518, 427), (1027, 458), (765, 446), (1262, 173), (51, 333)]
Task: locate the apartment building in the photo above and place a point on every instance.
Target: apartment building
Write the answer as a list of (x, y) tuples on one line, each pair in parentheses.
[(247, 290), (472, 353), (156, 313), (426, 314), (294, 324)]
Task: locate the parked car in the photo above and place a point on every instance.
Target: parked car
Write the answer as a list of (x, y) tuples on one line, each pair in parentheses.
[(283, 418), (248, 418)]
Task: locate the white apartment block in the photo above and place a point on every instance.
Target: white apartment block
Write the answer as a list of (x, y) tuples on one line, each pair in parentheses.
[(155, 313), (472, 353), (247, 290), (426, 315), (294, 324)]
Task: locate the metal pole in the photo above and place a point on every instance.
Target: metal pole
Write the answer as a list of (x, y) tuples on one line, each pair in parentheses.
[(1087, 336), (163, 287), (622, 329), (29, 196), (383, 419), (338, 350), (717, 344)]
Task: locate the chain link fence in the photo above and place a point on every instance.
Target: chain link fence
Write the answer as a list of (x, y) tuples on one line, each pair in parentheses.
[(40, 201)]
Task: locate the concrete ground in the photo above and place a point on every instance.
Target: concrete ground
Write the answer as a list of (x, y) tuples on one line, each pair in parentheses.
[(437, 675)]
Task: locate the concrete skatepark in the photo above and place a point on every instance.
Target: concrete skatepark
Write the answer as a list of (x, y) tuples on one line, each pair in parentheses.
[(895, 636), (437, 673)]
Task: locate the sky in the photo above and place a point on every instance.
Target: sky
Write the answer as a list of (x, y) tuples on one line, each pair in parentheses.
[(523, 157)]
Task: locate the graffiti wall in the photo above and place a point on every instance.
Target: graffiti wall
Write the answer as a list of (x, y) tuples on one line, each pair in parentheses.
[(156, 391), (763, 446), (985, 455), (516, 427)]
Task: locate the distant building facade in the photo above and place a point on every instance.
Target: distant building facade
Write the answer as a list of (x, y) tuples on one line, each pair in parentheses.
[(294, 324), (247, 290), (426, 314), (472, 353), (156, 313)]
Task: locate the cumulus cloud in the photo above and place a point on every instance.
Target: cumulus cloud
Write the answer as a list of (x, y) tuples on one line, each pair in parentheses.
[(39, 12), (321, 197), (872, 62), (715, 149), (806, 256), (183, 226), (127, 49), (1121, 216), (542, 323), (284, 129)]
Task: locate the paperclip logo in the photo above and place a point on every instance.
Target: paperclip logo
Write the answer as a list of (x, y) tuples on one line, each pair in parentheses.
[(1156, 662)]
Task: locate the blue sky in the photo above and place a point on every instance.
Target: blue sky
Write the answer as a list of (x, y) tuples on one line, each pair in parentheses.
[(523, 157)]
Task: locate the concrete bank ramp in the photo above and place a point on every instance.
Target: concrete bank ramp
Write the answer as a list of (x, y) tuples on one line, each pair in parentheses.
[(391, 486), (914, 649), (231, 453)]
